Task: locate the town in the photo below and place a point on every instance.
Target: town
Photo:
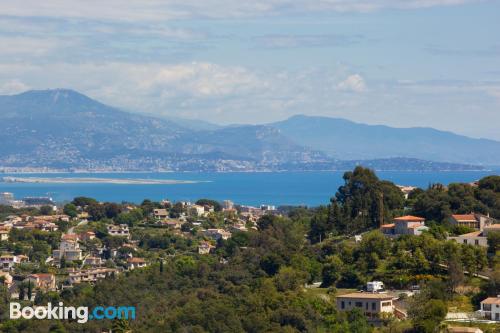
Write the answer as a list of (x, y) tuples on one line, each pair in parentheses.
[(49, 250)]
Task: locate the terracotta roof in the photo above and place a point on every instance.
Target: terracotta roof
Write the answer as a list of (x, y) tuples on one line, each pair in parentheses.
[(69, 237), (464, 217), (472, 234), (135, 260), (491, 300), (367, 295), (410, 218), (493, 226), (387, 226)]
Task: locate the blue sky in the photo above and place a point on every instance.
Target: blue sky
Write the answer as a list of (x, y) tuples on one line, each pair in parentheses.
[(396, 62)]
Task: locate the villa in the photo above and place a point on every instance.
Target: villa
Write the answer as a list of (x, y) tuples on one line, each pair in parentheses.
[(405, 225)]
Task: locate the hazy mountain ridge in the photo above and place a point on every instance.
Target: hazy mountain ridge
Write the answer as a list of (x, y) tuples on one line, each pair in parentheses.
[(65, 129), (361, 141)]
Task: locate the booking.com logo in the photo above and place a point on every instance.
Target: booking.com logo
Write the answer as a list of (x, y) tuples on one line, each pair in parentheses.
[(81, 314)]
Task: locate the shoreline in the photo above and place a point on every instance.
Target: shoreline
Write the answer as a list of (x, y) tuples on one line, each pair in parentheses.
[(90, 180)]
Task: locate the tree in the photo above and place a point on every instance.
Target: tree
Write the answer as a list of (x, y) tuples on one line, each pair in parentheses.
[(46, 210), (203, 202), (332, 271), (70, 210), (455, 273), (428, 317)]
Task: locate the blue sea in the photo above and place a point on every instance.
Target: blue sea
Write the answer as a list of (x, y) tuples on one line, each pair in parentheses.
[(249, 188)]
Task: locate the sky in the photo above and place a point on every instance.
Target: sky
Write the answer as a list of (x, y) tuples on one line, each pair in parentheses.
[(403, 63)]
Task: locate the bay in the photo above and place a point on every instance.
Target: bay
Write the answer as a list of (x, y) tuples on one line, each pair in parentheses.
[(249, 188)]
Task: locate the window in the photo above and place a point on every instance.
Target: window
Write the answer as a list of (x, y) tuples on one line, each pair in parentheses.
[(386, 303), (374, 306), (465, 241), (476, 242), (342, 305), (358, 304)]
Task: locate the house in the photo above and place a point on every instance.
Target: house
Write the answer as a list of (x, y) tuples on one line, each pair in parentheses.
[(405, 225), (119, 230), (160, 214), (406, 190), (4, 234), (86, 236), (7, 279), (133, 263), (205, 248), (90, 275), (477, 238), (490, 308), (473, 221), (472, 238), (196, 210), (43, 281), (372, 304), (173, 224), (8, 261), (69, 249), (217, 234), (92, 261)]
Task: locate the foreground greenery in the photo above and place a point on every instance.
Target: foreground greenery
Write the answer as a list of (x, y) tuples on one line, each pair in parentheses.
[(256, 280)]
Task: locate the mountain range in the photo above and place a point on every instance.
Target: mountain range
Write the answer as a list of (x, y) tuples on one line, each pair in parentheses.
[(63, 129)]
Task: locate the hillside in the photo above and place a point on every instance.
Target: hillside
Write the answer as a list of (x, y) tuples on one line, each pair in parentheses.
[(348, 140)]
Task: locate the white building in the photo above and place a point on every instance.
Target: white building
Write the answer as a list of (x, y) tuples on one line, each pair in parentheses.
[(119, 230), (69, 249), (371, 304), (490, 308)]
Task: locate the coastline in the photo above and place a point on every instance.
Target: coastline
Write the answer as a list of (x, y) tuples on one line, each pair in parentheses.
[(90, 180)]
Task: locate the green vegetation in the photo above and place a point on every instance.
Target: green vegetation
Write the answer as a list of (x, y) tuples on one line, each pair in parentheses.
[(261, 280)]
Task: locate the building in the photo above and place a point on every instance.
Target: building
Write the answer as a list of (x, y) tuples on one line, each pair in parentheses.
[(86, 236), (6, 198), (7, 279), (37, 202), (205, 248), (406, 190), (133, 263), (160, 214), (217, 234), (8, 261), (405, 225), (92, 261), (69, 249), (473, 221), (43, 281), (4, 235), (196, 210), (119, 230), (372, 304), (472, 238), (90, 275), (490, 308), (227, 205)]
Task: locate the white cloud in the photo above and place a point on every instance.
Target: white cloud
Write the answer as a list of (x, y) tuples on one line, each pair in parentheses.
[(161, 10), (354, 83), (13, 87)]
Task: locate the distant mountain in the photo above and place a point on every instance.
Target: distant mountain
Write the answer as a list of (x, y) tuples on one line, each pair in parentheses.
[(65, 129), (347, 140)]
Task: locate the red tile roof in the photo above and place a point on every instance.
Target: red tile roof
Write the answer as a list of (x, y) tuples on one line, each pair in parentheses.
[(387, 226), (410, 218), (464, 217), (135, 260)]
